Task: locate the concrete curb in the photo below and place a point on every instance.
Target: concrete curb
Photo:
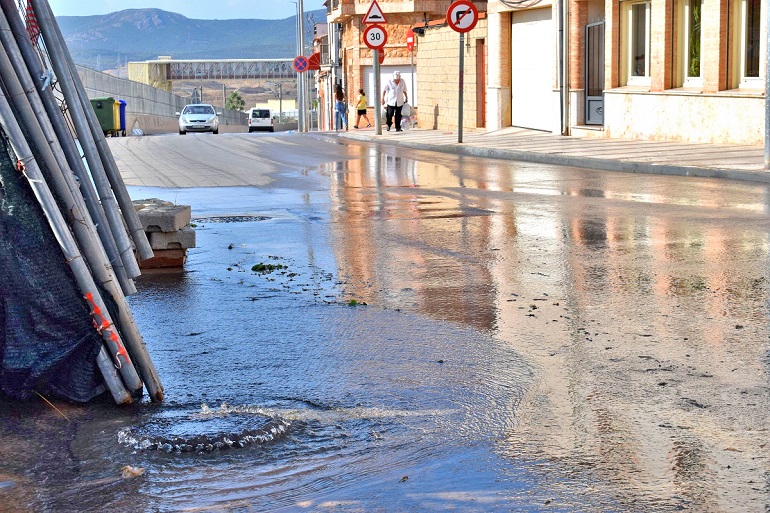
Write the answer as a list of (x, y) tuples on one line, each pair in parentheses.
[(622, 166)]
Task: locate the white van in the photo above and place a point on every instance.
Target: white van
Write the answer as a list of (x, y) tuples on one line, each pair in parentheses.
[(260, 119)]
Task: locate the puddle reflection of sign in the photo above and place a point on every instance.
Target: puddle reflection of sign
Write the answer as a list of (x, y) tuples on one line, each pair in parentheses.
[(462, 16), (300, 64), (375, 37)]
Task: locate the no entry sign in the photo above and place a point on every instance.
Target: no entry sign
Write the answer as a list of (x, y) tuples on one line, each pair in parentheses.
[(462, 16)]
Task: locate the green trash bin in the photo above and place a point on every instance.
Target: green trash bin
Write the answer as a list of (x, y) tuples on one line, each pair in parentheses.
[(106, 113)]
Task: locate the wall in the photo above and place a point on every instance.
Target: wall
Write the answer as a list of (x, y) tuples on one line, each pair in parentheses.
[(438, 69), (151, 110), (700, 118), (357, 58), (715, 111)]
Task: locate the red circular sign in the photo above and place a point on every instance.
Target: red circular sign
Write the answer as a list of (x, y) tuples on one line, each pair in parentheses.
[(300, 64), (375, 37), (462, 16), (410, 40)]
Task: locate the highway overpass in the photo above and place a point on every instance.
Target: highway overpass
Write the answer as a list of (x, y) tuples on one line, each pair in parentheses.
[(162, 72)]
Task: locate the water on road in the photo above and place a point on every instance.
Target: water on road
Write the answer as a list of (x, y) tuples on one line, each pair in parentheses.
[(428, 333)]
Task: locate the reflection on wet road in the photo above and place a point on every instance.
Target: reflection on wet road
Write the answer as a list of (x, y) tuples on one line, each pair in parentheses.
[(448, 333)]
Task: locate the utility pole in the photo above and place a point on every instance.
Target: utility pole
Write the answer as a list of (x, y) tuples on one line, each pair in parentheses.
[(301, 118)]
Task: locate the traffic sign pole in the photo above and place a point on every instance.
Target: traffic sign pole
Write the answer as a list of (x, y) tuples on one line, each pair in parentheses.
[(375, 37), (461, 16), (461, 85), (377, 99)]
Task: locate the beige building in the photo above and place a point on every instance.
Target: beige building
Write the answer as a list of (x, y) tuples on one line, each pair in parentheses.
[(438, 88), (351, 62), (683, 70), (679, 70)]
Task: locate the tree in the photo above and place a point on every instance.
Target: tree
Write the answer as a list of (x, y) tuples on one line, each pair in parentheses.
[(234, 101)]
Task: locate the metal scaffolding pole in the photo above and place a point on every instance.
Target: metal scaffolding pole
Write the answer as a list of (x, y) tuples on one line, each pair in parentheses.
[(27, 65), (68, 73), (71, 81)]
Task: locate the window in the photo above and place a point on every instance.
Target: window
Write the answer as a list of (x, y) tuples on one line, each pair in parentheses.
[(751, 39), (689, 43), (748, 44), (635, 43)]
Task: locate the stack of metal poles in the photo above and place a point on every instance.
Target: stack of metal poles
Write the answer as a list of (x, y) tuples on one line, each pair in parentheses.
[(102, 232)]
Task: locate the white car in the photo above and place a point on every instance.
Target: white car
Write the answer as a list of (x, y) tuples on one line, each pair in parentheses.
[(261, 119), (199, 117)]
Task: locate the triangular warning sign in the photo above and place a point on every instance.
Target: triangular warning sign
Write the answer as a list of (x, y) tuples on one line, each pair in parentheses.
[(374, 14)]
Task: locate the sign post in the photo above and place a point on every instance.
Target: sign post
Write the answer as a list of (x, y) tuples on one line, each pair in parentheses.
[(376, 94), (461, 16), (410, 47), (375, 38)]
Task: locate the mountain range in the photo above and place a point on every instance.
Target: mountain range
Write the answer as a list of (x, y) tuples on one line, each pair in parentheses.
[(109, 41)]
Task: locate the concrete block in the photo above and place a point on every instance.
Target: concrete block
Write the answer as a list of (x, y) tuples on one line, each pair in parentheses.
[(162, 216), (164, 259), (149, 203), (180, 239)]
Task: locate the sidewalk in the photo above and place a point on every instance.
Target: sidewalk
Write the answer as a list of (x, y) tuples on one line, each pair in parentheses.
[(651, 157)]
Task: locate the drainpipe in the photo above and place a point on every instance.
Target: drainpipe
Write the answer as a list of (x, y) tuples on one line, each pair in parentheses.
[(564, 66), (767, 90)]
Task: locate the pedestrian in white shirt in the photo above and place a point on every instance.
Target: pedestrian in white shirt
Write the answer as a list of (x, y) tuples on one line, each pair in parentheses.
[(393, 97)]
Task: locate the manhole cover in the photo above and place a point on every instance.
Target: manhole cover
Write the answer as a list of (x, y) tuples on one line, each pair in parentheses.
[(205, 431)]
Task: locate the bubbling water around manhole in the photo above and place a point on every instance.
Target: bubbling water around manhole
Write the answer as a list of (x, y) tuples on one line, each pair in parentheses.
[(206, 431), (228, 219)]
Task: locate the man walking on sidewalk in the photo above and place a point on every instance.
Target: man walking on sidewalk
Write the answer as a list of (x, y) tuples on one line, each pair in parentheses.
[(393, 97)]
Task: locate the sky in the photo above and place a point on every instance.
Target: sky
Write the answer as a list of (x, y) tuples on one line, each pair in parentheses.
[(196, 9)]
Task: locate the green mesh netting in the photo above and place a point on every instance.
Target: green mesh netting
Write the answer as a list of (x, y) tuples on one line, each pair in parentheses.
[(47, 340)]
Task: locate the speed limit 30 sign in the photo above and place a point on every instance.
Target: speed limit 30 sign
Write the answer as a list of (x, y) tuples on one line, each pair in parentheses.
[(375, 37)]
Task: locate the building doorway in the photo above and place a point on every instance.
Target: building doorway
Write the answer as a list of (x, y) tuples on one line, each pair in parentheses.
[(594, 74), (481, 84)]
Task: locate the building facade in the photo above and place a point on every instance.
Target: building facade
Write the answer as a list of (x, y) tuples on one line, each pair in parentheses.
[(677, 70), (438, 88), (680, 70), (352, 62)]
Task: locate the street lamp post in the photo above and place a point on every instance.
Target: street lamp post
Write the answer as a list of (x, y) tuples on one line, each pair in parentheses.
[(224, 95), (280, 99)]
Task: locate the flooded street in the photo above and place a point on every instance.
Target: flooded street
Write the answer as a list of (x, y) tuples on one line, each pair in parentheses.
[(428, 332)]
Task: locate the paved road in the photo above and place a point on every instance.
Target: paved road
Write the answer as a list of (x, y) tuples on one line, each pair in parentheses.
[(208, 160), (590, 339)]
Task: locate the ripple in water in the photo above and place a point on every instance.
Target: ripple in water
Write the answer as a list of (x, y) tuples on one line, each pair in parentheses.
[(228, 219), (228, 427)]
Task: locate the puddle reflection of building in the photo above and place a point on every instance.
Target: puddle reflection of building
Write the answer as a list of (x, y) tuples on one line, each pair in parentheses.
[(613, 280), (660, 285), (408, 238)]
